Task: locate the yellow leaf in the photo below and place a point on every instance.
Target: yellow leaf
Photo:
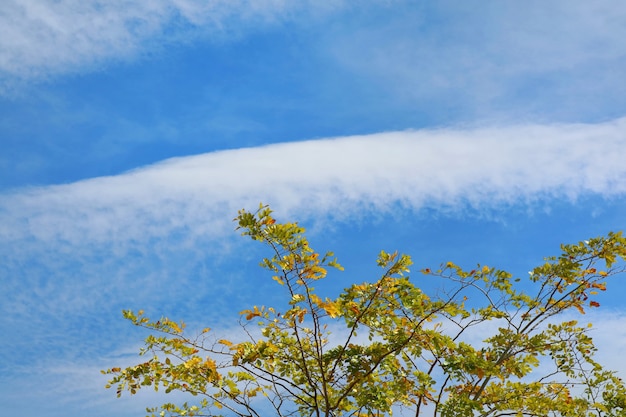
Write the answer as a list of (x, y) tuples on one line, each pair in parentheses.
[(225, 342), (331, 309)]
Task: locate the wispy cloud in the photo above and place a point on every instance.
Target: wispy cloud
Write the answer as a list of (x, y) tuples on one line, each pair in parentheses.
[(128, 238), (563, 60), (43, 37), (447, 168)]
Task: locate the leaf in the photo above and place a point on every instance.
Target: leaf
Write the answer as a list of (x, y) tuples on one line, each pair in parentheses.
[(301, 315), (331, 309), (252, 315)]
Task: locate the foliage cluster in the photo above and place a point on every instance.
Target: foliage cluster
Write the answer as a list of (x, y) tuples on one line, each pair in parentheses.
[(397, 347)]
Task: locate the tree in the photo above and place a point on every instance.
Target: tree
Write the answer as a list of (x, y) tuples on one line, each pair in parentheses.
[(398, 347)]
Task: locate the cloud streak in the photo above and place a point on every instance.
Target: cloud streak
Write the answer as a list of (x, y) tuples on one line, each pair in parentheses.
[(42, 37), (480, 169), (144, 235), (559, 61)]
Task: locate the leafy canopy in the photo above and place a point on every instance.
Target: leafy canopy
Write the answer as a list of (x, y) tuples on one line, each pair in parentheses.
[(479, 346)]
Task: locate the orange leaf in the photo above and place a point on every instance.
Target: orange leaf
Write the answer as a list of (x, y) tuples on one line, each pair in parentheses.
[(355, 309), (252, 315)]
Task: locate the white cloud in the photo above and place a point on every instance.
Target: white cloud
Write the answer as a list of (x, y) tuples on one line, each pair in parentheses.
[(550, 59), (481, 168), (40, 37), (485, 57), (142, 237)]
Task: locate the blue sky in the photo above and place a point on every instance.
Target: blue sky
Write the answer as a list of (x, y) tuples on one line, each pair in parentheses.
[(132, 132)]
